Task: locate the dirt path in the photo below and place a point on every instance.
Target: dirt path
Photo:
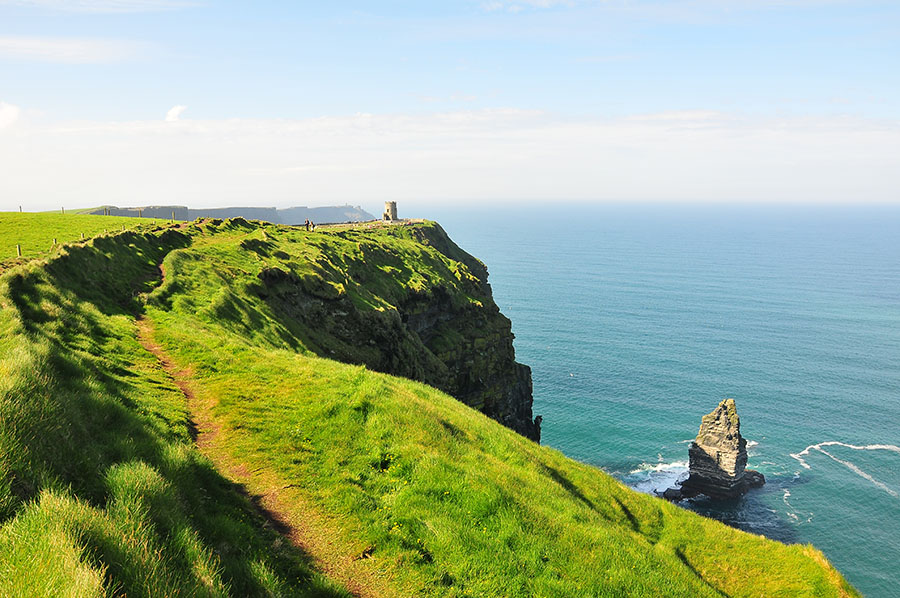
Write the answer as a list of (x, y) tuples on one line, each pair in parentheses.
[(279, 503)]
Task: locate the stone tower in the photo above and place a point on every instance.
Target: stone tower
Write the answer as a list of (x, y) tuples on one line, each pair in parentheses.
[(390, 210)]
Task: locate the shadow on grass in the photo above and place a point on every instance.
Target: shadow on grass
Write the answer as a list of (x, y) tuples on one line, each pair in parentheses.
[(568, 486), (681, 557), (85, 400)]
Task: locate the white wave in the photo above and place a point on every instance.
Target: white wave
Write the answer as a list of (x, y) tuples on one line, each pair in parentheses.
[(787, 503), (675, 466), (791, 511), (656, 478), (851, 466), (752, 443)]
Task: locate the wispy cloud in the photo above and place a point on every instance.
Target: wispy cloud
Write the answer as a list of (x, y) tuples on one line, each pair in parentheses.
[(8, 114), (66, 49), (174, 113), (101, 6)]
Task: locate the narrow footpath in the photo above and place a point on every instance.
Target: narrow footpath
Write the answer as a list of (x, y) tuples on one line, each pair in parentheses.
[(278, 502)]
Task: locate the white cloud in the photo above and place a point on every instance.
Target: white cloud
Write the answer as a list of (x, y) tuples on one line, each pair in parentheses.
[(8, 114), (174, 113), (65, 50), (101, 6), (458, 156)]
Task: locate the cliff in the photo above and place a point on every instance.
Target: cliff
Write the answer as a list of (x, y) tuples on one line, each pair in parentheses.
[(167, 429), (293, 216), (412, 304)]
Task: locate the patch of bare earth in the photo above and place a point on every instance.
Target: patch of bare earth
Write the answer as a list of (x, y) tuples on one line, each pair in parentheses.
[(281, 504)]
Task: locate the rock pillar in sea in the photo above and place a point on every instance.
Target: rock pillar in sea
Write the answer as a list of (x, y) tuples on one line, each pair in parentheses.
[(718, 457)]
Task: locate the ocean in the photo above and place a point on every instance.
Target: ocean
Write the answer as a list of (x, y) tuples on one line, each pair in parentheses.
[(638, 320)]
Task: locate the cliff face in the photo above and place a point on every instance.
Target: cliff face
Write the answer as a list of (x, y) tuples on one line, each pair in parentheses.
[(421, 308), (718, 456)]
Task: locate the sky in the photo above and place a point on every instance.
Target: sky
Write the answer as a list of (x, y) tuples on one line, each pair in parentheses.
[(211, 103)]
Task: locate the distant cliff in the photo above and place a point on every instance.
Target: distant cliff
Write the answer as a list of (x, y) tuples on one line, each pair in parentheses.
[(295, 215)]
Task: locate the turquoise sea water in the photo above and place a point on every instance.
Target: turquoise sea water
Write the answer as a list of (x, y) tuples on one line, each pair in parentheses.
[(636, 321)]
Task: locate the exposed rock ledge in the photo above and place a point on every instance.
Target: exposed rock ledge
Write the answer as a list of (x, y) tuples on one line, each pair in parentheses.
[(718, 458)]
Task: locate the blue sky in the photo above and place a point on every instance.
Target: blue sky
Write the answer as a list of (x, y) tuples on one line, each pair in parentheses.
[(282, 103)]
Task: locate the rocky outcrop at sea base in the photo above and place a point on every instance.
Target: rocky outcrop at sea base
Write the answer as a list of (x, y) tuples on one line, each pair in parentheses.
[(718, 459)]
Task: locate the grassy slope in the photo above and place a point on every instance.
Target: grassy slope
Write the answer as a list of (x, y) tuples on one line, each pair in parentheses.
[(442, 500), (101, 489)]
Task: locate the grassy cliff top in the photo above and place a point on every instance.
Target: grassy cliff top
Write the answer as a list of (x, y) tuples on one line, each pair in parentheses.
[(180, 437), (35, 232)]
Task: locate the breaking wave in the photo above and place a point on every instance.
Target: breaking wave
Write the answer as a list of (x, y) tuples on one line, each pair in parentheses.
[(655, 478), (849, 465)]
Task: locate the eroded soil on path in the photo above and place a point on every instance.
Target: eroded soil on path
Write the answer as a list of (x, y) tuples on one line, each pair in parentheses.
[(279, 503)]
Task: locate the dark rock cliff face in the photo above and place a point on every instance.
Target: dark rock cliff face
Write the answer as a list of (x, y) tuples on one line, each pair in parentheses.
[(476, 347), (449, 334), (718, 457)]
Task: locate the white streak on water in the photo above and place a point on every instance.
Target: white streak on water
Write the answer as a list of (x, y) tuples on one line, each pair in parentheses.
[(790, 512), (851, 466), (677, 466)]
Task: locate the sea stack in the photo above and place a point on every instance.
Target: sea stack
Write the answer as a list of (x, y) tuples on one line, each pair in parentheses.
[(718, 457)]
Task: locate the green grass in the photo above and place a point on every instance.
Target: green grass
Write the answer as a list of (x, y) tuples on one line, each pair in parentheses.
[(35, 232), (103, 491)]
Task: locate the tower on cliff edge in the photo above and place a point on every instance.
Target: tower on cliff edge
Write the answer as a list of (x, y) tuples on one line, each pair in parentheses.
[(390, 210)]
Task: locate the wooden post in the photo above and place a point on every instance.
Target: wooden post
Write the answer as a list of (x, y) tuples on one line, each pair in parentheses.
[(140, 213), (64, 211), (82, 236), (18, 250), (20, 209), (54, 240), (173, 215)]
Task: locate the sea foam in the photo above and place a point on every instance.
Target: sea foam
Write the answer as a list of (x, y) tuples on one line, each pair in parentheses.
[(849, 465)]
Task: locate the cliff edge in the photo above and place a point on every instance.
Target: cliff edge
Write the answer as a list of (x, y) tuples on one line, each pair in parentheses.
[(407, 302)]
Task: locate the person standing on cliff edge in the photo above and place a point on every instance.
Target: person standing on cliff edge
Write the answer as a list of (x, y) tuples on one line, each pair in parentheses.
[(307, 225)]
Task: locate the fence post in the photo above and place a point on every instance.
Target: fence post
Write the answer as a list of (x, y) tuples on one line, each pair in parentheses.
[(82, 236), (54, 240), (18, 250), (20, 209), (173, 215)]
